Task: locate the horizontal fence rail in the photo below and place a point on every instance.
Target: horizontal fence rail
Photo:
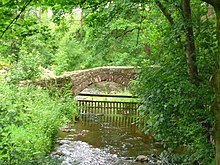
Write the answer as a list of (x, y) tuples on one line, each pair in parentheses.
[(106, 95)]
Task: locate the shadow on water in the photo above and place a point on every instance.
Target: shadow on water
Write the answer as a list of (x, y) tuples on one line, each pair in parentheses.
[(105, 139)]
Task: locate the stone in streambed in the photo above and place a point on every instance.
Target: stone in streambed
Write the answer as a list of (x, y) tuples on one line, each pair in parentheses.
[(142, 158)]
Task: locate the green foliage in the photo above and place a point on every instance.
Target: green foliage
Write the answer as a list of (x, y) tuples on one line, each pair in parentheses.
[(27, 67), (30, 118), (32, 53), (113, 35), (70, 56), (176, 112), (29, 44), (3, 64)]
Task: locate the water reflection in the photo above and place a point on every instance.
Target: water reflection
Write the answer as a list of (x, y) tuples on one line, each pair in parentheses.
[(105, 140), (120, 121)]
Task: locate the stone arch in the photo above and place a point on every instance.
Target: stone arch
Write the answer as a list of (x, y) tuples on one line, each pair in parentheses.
[(120, 75), (81, 79)]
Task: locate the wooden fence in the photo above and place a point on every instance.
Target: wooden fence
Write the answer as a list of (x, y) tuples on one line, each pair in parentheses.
[(120, 113), (105, 107)]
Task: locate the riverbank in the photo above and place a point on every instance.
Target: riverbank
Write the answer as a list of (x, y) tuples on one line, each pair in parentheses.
[(30, 118)]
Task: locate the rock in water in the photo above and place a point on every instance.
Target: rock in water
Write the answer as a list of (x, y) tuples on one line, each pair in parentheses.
[(142, 158)]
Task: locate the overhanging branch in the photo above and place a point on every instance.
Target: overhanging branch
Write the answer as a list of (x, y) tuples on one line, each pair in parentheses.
[(5, 4), (16, 18), (165, 12)]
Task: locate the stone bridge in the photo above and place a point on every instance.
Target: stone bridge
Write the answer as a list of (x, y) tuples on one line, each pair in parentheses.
[(81, 79)]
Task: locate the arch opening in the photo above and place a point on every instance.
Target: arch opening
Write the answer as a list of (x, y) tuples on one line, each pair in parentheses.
[(106, 87)]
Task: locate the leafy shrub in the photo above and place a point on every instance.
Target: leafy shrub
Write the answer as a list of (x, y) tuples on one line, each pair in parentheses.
[(27, 67), (176, 112), (69, 56), (30, 118), (32, 54)]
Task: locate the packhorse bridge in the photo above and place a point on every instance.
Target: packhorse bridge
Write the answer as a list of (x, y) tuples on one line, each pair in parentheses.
[(81, 79), (120, 112)]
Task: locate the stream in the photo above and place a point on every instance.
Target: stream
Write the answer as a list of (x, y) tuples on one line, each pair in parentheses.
[(105, 140)]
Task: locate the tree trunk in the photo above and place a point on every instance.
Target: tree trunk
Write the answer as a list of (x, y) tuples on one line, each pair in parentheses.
[(190, 44), (217, 10), (216, 86)]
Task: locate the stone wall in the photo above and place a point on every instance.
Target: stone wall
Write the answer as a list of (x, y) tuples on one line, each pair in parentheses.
[(81, 79)]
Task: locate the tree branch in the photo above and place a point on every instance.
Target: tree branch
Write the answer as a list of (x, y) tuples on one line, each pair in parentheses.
[(17, 17), (165, 12), (5, 4), (126, 31), (170, 19)]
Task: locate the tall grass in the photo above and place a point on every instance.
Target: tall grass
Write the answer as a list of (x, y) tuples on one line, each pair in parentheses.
[(29, 120)]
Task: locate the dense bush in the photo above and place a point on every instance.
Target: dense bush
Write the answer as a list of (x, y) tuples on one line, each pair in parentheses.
[(30, 118), (70, 55), (176, 112), (27, 67), (33, 53)]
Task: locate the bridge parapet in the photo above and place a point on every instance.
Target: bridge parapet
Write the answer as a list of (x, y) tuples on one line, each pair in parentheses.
[(81, 79)]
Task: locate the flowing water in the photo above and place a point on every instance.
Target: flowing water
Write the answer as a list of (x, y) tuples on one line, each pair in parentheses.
[(105, 140)]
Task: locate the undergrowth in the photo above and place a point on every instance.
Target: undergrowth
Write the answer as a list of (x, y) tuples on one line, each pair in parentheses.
[(29, 120)]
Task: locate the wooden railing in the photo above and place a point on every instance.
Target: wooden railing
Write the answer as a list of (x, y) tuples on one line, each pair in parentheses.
[(119, 111), (105, 107)]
